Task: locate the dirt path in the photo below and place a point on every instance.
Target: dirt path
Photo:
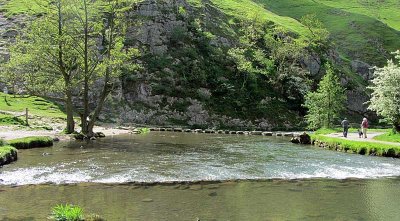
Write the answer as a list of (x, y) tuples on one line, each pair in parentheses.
[(354, 136), (12, 132)]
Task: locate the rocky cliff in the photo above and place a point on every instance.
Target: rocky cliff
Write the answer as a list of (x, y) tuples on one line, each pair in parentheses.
[(189, 77)]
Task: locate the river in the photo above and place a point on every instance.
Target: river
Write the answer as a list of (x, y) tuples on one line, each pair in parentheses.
[(219, 177)]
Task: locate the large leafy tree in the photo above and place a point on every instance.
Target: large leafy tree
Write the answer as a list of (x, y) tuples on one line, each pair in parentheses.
[(75, 51), (325, 105), (386, 92)]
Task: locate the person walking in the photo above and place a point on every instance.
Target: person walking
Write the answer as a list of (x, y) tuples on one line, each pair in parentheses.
[(364, 126), (345, 125)]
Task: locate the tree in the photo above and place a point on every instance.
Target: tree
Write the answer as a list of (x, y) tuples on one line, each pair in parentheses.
[(100, 60), (73, 48), (386, 92), (325, 105), (44, 60)]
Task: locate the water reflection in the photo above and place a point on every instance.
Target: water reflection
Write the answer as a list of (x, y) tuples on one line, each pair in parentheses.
[(267, 200)]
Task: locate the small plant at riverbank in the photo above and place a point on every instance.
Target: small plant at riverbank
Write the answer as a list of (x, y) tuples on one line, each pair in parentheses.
[(72, 213), (31, 142), (144, 130), (67, 213)]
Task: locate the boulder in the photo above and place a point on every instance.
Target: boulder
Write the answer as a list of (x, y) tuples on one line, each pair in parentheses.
[(295, 140), (305, 138)]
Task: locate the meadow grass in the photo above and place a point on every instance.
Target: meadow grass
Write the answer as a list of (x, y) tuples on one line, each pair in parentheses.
[(36, 106), (30, 7), (31, 142), (6, 119), (389, 136), (325, 131)]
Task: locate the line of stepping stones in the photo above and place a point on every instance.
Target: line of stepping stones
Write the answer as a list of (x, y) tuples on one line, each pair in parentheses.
[(209, 131)]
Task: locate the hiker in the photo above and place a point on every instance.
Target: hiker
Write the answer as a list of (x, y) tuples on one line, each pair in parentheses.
[(345, 125), (364, 126)]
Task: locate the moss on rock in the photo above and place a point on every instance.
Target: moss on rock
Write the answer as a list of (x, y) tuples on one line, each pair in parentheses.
[(8, 154), (31, 142)]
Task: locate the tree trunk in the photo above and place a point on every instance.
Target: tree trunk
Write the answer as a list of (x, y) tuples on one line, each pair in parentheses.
[(396, 126), (70, 114), (85, 115)]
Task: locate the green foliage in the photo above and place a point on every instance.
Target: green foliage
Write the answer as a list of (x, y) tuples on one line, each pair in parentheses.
[(67, 213), (325, 105), (385, 92), (360, 147), (31, 142)]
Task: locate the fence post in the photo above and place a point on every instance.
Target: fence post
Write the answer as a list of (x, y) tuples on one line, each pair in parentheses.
[(26, 117)]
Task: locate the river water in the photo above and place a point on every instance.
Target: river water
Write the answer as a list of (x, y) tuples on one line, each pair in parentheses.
[(278, 180)]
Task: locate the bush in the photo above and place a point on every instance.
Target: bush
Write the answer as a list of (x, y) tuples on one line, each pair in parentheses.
[(67, 213), (31, 142)]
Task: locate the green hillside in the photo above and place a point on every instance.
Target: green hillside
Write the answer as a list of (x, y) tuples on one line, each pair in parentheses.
[(366, 30), (361, 31)]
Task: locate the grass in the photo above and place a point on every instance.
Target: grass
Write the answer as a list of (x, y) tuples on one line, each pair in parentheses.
[(31, 142), (6, 119), (324, 131), (250, 10), (30, 7), (37, 106), (389, 136), (360, 147), (357, 29)]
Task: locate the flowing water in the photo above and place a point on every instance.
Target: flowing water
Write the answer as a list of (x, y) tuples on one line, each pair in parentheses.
[(280, 181)]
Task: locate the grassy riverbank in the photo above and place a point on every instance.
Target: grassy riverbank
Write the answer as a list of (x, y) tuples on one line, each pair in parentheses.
[(360, 147)]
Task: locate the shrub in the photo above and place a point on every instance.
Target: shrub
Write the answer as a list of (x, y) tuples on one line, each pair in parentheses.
[(67, 213), (31, 142)]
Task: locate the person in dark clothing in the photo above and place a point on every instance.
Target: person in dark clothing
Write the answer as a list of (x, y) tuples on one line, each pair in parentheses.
[(345, 125)]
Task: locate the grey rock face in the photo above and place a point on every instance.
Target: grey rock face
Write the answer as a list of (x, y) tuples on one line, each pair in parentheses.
[(362, 68)]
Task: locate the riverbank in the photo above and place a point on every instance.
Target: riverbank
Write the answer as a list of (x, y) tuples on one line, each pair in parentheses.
[(354, 144), (15, 132)]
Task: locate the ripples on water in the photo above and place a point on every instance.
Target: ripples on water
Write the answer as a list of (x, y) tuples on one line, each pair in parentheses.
[(163, 157)]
